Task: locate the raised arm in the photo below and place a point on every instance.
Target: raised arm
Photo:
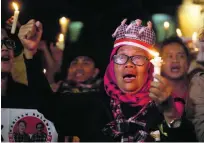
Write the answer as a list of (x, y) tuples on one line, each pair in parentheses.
[(30, 36)]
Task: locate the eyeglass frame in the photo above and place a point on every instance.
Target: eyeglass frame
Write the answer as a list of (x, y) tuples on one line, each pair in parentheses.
[(130, 57), (11, 47)]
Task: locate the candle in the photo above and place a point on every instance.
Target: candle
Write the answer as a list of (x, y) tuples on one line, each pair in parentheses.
[(166, 25), (15, 20), (166, 28), (194, 37), (157, 62), (179, 33), (195, 43), (64, 24), (44, 71), (60, 44)]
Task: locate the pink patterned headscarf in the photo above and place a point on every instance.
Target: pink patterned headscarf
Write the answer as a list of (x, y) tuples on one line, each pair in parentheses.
[(140, 98), (139, 36)]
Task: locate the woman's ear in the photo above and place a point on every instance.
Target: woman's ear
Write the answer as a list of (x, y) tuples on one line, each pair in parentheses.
[(96, 72)]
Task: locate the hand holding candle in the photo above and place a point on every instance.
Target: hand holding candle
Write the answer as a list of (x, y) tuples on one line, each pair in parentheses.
[(157, 62), (15, 19), (160, 89)]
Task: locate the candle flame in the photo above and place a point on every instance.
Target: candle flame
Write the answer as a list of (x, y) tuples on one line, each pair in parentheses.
[(153, 53), (179, 33), (15, 6), (44, 71), (61, 37), (196, 49), (166, 24), (63, 20), (194, 36)]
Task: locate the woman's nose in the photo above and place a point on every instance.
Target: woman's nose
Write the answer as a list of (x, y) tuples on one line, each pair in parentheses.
[(129, 64)]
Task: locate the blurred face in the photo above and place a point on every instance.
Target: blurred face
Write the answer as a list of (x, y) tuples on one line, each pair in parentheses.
[(39, 127), (129, 76), (81, 69), (7, 53), (21, 127), (175, 61)]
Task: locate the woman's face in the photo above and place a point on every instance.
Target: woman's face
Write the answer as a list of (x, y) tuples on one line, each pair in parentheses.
[(130, 77), (21, 127)]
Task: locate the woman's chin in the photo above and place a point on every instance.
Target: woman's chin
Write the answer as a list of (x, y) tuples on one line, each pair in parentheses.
[(130, 90)]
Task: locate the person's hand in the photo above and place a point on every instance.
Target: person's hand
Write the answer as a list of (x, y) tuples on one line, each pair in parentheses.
[(55, 86), (160, 90), (42, 45), (30, 35), (9, 23)]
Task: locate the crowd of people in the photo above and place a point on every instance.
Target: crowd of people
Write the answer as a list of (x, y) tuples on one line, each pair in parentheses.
[(125, 104)]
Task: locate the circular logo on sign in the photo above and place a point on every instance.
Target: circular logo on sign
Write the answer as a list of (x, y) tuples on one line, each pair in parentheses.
[(30, 127)]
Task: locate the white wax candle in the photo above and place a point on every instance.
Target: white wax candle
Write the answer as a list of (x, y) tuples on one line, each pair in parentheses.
[(157, 62), (60, 44), (15, 20)]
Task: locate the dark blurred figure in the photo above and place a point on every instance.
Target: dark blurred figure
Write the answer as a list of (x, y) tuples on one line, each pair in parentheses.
[(39, 136), (195, 100)]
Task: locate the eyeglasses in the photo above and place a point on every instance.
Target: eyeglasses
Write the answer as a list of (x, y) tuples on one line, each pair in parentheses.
[(136, 60), (10, 44)]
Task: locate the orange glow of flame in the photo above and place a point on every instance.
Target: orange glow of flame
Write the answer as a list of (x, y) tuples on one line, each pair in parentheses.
[(15, 6), (153, 53)]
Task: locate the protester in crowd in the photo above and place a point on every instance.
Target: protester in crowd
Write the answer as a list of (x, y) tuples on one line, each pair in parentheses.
[(9, 87), (79, 73), (88, 114), (144, 110), (195, 100), (176, 59), (39, 136), (18, 69), (21, 135)]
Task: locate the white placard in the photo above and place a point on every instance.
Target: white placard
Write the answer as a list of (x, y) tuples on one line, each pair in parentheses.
[(15, 122)]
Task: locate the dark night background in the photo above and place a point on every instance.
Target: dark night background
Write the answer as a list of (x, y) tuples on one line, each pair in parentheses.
[(100, 17)]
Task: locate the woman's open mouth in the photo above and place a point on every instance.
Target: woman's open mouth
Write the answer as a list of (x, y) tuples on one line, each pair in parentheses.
[(129, 77), (5, 58)]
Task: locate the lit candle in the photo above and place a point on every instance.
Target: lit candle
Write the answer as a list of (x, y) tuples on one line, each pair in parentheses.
[(60, 44), (166, 25), (44, 71), (195, 42), (157, 62), (64, 24), (179, 33), (194, 37), (15, 20), (166, 28)]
